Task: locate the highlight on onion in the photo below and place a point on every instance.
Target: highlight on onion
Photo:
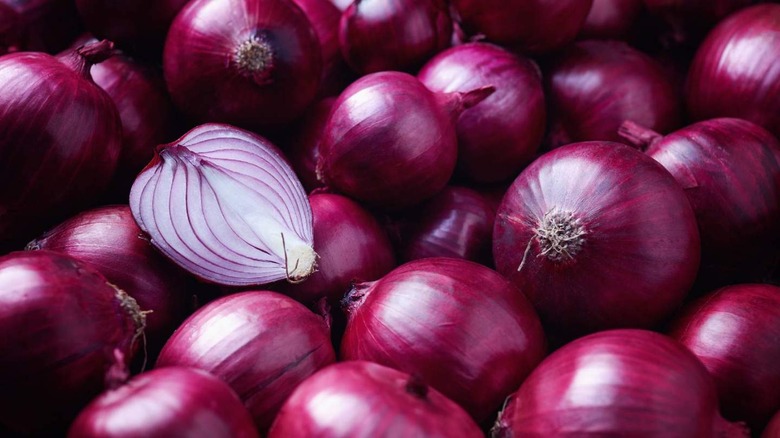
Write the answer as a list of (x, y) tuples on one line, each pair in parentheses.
[(251, 63), (224, 204), (463, 328), (598, 235), (611, 19), (263, 344), (365, 399), (166, 402), (62, 322), (624, 382), (46, 25)]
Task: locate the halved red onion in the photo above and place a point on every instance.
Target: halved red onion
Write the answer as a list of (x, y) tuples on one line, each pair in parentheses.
[(617, 383), (463, 328), (303, 148), (500, 135), (611, 19), (46, 25), (263, 344), (365, 399), (224, 204), (598, 235)]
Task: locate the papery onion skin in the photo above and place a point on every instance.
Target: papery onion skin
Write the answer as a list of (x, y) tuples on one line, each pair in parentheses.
[(60, 138), (734, 71), (531, 26), (62, 322), (440, 318), (611, 19), (251, 63), (689, 20), (359, 398), (598, 236), (263, 344), (500, 135), (624, 382), (166, 402), (303, 148), (382, 35), (46, 25), (9, 29), (734, 332), (594, 86), (351, 245)]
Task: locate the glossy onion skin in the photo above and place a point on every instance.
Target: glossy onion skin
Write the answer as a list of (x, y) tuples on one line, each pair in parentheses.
[(640, 251), (365, 399), (734, 72), (730, 170), (532, 26), (623, 382), (206, 83), (163, 403), (611, 19), (458, 325), (594, 86), (388, 142), (263, 344), (61, 321), (382, 35), (500, 135), (734, 332)]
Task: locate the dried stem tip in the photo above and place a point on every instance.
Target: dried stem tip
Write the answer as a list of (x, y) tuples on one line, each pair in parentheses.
[(255, 57), (560, 235)]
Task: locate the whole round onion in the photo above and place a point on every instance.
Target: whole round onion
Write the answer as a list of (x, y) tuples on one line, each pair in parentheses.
[(60, 137), (532, 26), (304, 145), (62, 322), (617, 383), (734, 71), (162, 403), (250, 63), (390, 141), (734, 332), (381, 35), (9, 29), (364, 399), (598, 235), (689, 20), (263, 344), (596, 85), (46, 25), (500, 135), (611, 19), (460, 326)]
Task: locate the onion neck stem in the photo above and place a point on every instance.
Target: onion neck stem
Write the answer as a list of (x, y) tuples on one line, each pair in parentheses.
[(637, 135), (82, 59)]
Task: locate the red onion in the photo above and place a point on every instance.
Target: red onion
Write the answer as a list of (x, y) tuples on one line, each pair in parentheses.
[(390, 141), (460, 326), (380, 35), (734, 72), (245, 62), (62, 323), (773, 429), (611, 19), (617, 383), (174, 401), (46, 25), (60, 137), (224, 204), (9, 29), (734, 332), (595, 85), (597, 235), (533, 26), (352, 247), (304, 146), (689, 20), (263, 344), (730, 170), (500, 135), (359, 398), (109, 240)]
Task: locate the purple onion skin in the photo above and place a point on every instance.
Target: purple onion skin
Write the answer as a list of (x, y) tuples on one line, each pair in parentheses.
[(730, 170), (596, 85), (369, 395), (46, 25), (109, 240), (382, 35), (352, 247), (611, 19), (304, 145), (263, 344), (531, 26), (9, 29), (734, 71), (460, 326), (623, 382), (734, 333), (62, 322), (629, 245), (772, 430), (500, 135), (166, 402)]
